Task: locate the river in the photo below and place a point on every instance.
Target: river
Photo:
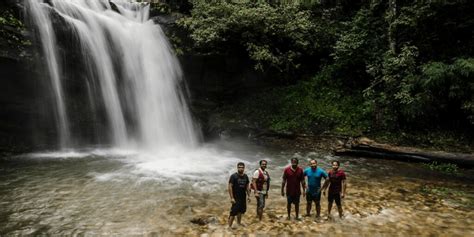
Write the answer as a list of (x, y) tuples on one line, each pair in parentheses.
[(126, 192)]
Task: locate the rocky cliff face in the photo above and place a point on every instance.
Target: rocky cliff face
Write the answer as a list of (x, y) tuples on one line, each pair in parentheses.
[(18, 87), (215, 81)]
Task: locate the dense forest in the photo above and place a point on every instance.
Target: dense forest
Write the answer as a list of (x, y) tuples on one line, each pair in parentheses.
[(391, 69), (377, 67)]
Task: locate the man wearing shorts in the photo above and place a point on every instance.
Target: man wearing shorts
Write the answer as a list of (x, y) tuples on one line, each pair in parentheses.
[(238, 189), (337, 188), (314, 175), (293, 178), (261, 184)]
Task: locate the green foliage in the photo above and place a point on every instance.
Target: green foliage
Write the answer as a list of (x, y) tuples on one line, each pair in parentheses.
[(309, 106), (440, 30), (159, 8), (384, 67), (426, 91), (441, 191), (362, 40), (398, 76), (10, 33), (276, 37), (447, 168), (454, 195), (449, 86), (7, 18), (389, 54)]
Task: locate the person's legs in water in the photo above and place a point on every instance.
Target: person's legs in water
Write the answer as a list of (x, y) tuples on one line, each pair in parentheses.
[(239, 218), (289, 200), (237, 209), (234, 210), (318, 208), (231, 220), (330, 201), (318, 203), (337, 199), (260, 206), (296, 201), (309, 201)]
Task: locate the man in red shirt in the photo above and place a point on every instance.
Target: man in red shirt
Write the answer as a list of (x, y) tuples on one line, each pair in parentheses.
[(293, 178), (337, 187)]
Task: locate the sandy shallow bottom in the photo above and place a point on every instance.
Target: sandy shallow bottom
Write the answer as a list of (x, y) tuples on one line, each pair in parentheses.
[(127, 193), (398, 208)]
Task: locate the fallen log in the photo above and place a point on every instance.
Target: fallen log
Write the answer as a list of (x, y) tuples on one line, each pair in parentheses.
[(369, 148)]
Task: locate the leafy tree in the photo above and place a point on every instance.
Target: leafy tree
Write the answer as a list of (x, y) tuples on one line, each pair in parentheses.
[(398, 65), (406, 65), (277, 37)]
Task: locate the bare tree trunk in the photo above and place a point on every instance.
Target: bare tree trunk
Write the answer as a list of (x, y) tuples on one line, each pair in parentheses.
[(365, 147), (392, 37)]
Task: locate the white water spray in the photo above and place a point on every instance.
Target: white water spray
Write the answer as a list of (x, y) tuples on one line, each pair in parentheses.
[(144, 85)]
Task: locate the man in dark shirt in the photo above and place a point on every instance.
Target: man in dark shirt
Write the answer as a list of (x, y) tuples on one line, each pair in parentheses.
[(337, 187), (238, 188), (293, 178)]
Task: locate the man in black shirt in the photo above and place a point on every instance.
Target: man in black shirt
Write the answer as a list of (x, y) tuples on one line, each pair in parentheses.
[(238, 188)]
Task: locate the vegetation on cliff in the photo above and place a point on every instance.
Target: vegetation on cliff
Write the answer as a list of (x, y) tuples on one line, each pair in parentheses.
[(13, 43), (349, 67)]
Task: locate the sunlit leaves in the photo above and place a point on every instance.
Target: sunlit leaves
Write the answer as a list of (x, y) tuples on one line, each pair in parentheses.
[(272, 36)]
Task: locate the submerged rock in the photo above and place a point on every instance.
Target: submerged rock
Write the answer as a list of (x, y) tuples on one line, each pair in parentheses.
[(204, 220)]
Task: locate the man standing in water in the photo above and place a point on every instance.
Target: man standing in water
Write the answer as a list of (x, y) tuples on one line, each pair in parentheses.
[(238, 188), (337, 187), (261, 184), (293, 177), (314, 175)]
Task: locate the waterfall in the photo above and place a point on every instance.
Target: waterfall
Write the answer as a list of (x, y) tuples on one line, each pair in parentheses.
[(130, 63), (48, 40)]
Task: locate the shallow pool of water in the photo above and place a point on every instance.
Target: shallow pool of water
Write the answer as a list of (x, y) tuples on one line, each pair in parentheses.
[(129, 192)]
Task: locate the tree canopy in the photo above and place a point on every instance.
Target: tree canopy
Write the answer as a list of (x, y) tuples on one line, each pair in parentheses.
[(358, 65)]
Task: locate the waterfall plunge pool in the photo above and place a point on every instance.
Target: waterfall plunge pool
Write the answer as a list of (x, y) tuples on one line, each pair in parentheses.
[(131, 192)]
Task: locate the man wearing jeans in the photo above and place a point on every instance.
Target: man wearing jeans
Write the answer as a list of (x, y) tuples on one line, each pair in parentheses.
[(261, 184)]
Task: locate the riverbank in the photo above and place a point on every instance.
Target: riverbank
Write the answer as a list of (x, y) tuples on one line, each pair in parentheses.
[(262, 120), (444, 151)]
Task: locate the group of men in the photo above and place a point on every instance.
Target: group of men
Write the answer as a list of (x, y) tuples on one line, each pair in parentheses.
[(294, 179)]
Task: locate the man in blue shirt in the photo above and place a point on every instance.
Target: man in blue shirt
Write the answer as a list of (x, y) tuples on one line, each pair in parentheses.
[(314, 175)]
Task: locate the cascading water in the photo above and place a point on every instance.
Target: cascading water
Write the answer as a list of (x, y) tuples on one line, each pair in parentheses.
[(129, 62), (48, 40)]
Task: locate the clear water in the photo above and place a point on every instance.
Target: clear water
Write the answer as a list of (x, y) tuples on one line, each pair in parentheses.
[(128, 192)]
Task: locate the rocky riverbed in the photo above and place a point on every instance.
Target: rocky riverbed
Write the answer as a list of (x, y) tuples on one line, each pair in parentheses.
[(108, 192)]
